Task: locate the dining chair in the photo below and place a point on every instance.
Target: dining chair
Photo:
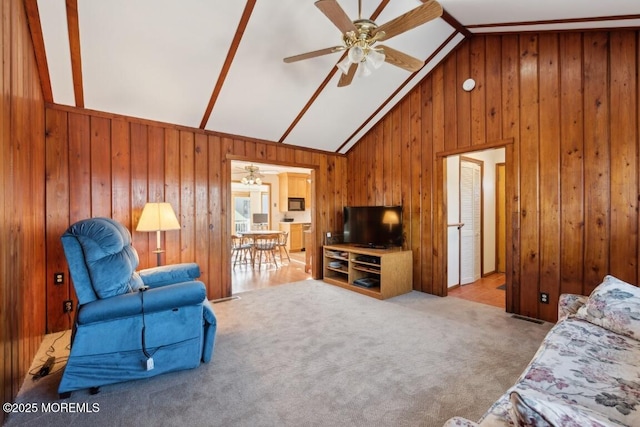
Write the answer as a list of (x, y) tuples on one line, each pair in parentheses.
[(241, 250), (282, 244), (265, 245)]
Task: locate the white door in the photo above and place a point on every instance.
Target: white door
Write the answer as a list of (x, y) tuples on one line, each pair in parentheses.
[(470, 216)]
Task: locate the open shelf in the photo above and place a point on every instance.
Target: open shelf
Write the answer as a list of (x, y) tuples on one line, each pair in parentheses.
[(386, 272)]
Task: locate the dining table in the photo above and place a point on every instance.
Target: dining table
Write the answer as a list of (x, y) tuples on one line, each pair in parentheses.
[(258, 232), (250, 234)]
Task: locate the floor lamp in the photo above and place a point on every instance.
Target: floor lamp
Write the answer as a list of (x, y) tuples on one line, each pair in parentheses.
[(158, 217)]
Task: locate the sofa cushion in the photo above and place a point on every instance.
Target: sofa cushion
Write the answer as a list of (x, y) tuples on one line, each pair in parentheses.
[(569, 304), (531, 407), (614, 305), (591, 365)]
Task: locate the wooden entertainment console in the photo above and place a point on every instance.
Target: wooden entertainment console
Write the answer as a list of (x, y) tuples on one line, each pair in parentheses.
[(344, 265)]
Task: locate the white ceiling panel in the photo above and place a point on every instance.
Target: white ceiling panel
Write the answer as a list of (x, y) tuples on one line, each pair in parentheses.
[(53, 19), (154, 59), (261, 89)]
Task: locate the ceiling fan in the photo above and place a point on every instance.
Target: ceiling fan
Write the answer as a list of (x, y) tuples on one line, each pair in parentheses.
[(360, 36), (253, 177)]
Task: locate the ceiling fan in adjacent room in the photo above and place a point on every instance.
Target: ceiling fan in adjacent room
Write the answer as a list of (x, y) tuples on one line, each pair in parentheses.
[(360, 36), (251, 175)]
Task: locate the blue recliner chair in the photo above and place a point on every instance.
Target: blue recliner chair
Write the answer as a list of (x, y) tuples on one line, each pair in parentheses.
[(130, 325)]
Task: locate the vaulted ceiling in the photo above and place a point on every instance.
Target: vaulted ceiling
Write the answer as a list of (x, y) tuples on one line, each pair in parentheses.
[(218, 64)]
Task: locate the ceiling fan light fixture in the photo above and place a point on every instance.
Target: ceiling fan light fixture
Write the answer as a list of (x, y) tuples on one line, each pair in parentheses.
[(364, 69), (375, 58), (356, 54), (358, 37), (251, 178), (344, 65)]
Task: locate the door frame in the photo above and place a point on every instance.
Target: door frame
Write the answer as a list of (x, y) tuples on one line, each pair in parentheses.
[(500, 213), (316, 267), (512, 297)]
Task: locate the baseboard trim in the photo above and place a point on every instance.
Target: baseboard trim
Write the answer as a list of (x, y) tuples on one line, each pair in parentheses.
[(216, 301), (528, 319)]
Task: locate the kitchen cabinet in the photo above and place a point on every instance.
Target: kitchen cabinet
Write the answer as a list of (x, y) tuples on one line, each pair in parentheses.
[(295, 242), (293, 184)]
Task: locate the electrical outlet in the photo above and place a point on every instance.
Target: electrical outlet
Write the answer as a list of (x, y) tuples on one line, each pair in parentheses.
[(58, 278), (67, 306), (544, 298)]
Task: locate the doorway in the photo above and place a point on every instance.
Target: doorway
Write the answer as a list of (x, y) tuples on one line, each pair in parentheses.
[(258, 206), (241, 212), (250, 208), (473, 223)]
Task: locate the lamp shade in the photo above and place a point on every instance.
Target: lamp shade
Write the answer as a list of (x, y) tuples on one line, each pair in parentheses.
[(158, 217)]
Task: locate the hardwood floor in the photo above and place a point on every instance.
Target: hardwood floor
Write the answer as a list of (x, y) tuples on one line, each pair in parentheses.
[(246, 278), (484, 290)]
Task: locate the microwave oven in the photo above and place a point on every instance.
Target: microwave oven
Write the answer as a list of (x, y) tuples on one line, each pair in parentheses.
[(295, 204)]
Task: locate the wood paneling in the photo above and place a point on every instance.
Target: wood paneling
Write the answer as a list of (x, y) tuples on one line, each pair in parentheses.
[(624, 164), (566, 107), (101, 164), (549, 172), (22, 234)]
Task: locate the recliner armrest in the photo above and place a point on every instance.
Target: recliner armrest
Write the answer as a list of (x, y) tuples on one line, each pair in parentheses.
[(170, 274), (130, 304)]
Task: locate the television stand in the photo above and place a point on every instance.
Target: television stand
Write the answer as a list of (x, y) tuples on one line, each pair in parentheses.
[(378, 273)]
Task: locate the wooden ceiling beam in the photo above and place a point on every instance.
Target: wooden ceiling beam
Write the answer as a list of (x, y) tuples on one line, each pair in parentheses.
[(35, 27), (73, 28), (244, 20)]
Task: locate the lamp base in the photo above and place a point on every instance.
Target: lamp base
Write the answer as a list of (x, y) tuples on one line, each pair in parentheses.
[(158, 253)]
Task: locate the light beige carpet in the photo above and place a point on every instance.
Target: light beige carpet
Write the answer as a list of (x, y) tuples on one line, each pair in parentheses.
[(312, 354)]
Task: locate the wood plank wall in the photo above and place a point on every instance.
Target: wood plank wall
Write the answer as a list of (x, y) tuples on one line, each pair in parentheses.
[(568, 102), (22, 253), (99, 164)]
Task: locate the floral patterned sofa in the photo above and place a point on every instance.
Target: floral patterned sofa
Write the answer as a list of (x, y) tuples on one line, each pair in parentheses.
[(586, 371)]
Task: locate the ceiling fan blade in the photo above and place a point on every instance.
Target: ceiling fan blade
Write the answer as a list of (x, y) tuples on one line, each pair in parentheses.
[(415, 17), (314, 54), (400, 59), (346, 79), (336, 14)]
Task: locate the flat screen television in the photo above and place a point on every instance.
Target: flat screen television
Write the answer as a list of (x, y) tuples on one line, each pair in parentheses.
[(373, 226)]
